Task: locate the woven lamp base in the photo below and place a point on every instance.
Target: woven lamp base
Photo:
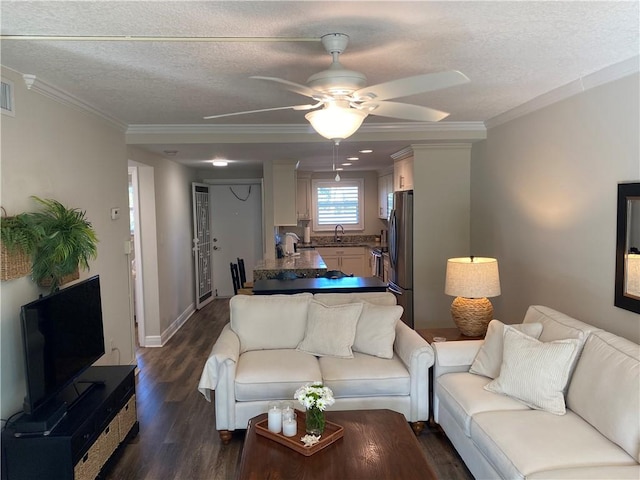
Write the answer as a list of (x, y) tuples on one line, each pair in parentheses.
[(472, 315)]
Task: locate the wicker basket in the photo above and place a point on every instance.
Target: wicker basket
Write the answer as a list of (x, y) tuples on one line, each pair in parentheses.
[(66, 279), (14, 263)]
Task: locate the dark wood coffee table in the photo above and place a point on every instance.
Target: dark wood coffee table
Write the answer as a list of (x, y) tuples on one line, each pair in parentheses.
[(377, 444)]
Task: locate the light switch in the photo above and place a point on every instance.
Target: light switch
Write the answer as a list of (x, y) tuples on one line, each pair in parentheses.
[(115, 213)]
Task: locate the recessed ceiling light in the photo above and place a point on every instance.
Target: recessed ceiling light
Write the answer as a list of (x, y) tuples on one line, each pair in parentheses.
[(366, 151), (353, 159), (339, 168), (220, 163), (170, 153), (346, 164)]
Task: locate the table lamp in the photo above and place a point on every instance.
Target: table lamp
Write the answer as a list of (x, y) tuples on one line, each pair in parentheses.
[(471, 280)]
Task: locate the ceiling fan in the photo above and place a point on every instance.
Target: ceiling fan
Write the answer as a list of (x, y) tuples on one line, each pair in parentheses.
[(343, 100)]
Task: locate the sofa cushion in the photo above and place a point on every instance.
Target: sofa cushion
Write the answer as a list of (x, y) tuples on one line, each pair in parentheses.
[(463, 395), (377, 298), (605, 389), (535, 372), (265, 322), (273, 374), (619, 472), (520, 443), (376, 329), (557, 325), (365, 376), (331, 330), (489, 357)]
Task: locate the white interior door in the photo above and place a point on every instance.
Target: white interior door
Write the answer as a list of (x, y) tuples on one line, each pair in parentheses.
[(236, 212), (202, 244)]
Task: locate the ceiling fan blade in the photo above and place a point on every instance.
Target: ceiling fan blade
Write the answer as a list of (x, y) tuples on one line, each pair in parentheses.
[(295, 87), (404, 111), (404, 87), (291, 107)]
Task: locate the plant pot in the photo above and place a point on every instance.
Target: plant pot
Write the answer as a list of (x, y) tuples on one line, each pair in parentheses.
[(47, 282), (13, 263)]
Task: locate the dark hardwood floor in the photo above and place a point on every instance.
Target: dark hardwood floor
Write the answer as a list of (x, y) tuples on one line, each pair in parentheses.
[(178, 438)]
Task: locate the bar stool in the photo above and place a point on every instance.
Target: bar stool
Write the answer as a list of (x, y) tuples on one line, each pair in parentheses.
[(243, 274)]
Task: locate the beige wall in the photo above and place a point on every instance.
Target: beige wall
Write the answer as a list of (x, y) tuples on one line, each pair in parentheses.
[(544, 203), (441, 191), (56, 151), (175, 267)]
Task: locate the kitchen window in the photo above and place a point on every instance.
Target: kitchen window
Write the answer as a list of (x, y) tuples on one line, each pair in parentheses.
[(338, 203)]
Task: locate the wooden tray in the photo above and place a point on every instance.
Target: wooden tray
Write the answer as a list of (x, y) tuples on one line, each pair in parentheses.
[(332, 432)]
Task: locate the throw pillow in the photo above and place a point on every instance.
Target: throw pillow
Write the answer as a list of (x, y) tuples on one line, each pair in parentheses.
[(489, 357), (376, 330), (534, 372), (331, 330)]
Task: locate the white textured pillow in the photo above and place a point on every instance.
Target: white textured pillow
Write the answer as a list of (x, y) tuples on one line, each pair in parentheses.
[(489, 357), (331, 330), (535, 373), (266, 322), (376, 330)]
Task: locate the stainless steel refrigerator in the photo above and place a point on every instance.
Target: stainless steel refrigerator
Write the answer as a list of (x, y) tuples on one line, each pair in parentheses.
[(401, 252)]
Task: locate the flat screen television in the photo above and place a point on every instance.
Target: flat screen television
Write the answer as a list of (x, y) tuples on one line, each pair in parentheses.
[(62, 336)]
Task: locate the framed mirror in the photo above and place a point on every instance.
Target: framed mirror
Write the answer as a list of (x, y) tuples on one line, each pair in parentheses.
[(627, 294)]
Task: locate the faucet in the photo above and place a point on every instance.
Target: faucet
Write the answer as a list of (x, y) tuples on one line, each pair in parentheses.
[(335, 233)]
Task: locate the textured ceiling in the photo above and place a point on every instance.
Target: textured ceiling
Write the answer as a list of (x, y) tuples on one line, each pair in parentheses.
[(513, 52)]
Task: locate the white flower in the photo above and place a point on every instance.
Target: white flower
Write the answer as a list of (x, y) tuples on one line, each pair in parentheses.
[(314, 395)]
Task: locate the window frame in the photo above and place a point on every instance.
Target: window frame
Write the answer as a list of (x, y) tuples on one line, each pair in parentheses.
[(330, 183)]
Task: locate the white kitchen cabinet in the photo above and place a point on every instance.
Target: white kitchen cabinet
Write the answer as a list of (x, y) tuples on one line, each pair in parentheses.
[(303, 198), (403, 174), (346, 259), (284, 194), (385, 188)]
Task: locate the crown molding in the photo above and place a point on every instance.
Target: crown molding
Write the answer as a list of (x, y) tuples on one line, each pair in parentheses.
[(283, 129), (582, 84), (36, 85)]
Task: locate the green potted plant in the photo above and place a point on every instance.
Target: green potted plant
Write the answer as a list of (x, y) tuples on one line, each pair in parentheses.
[(20, 236), (69, 242)]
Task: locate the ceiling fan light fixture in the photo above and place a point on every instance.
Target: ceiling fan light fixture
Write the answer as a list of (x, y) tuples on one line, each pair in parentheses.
[(336, 122)]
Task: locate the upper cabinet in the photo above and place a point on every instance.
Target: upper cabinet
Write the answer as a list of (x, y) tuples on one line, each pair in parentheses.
[(284, 194), (385, 189), (403, 174), (303, 198)]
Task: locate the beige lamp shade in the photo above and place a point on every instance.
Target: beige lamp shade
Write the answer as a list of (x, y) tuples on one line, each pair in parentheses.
[(336, 120), (471, 280), (472, 277)]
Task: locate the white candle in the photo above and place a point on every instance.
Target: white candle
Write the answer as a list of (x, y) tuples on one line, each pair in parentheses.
[(274, 424), (289, 427)]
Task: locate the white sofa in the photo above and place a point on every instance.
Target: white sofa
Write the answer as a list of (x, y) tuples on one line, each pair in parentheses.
[(256, 358), (499, 436)]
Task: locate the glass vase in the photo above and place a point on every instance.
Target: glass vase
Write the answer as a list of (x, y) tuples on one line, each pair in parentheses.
[(315, 421)]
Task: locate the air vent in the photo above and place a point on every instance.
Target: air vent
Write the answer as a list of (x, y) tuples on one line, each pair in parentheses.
[(6, 98)]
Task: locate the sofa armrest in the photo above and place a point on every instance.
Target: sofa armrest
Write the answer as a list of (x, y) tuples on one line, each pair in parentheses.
[(223, 357), (454, 356), (417, 355)]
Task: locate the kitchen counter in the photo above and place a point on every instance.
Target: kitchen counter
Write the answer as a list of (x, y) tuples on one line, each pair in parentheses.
[(308, 264)]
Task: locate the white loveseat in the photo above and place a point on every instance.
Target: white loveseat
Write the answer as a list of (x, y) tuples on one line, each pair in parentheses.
[(499, 436), (258, 356)]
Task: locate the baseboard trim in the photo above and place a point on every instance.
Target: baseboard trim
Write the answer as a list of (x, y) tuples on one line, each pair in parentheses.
[(152, 341)]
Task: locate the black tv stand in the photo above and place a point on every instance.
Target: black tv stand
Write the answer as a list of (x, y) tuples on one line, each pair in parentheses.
[(84, 439)]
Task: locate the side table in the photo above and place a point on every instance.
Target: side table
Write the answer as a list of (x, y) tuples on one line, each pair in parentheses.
[(451, 334)]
